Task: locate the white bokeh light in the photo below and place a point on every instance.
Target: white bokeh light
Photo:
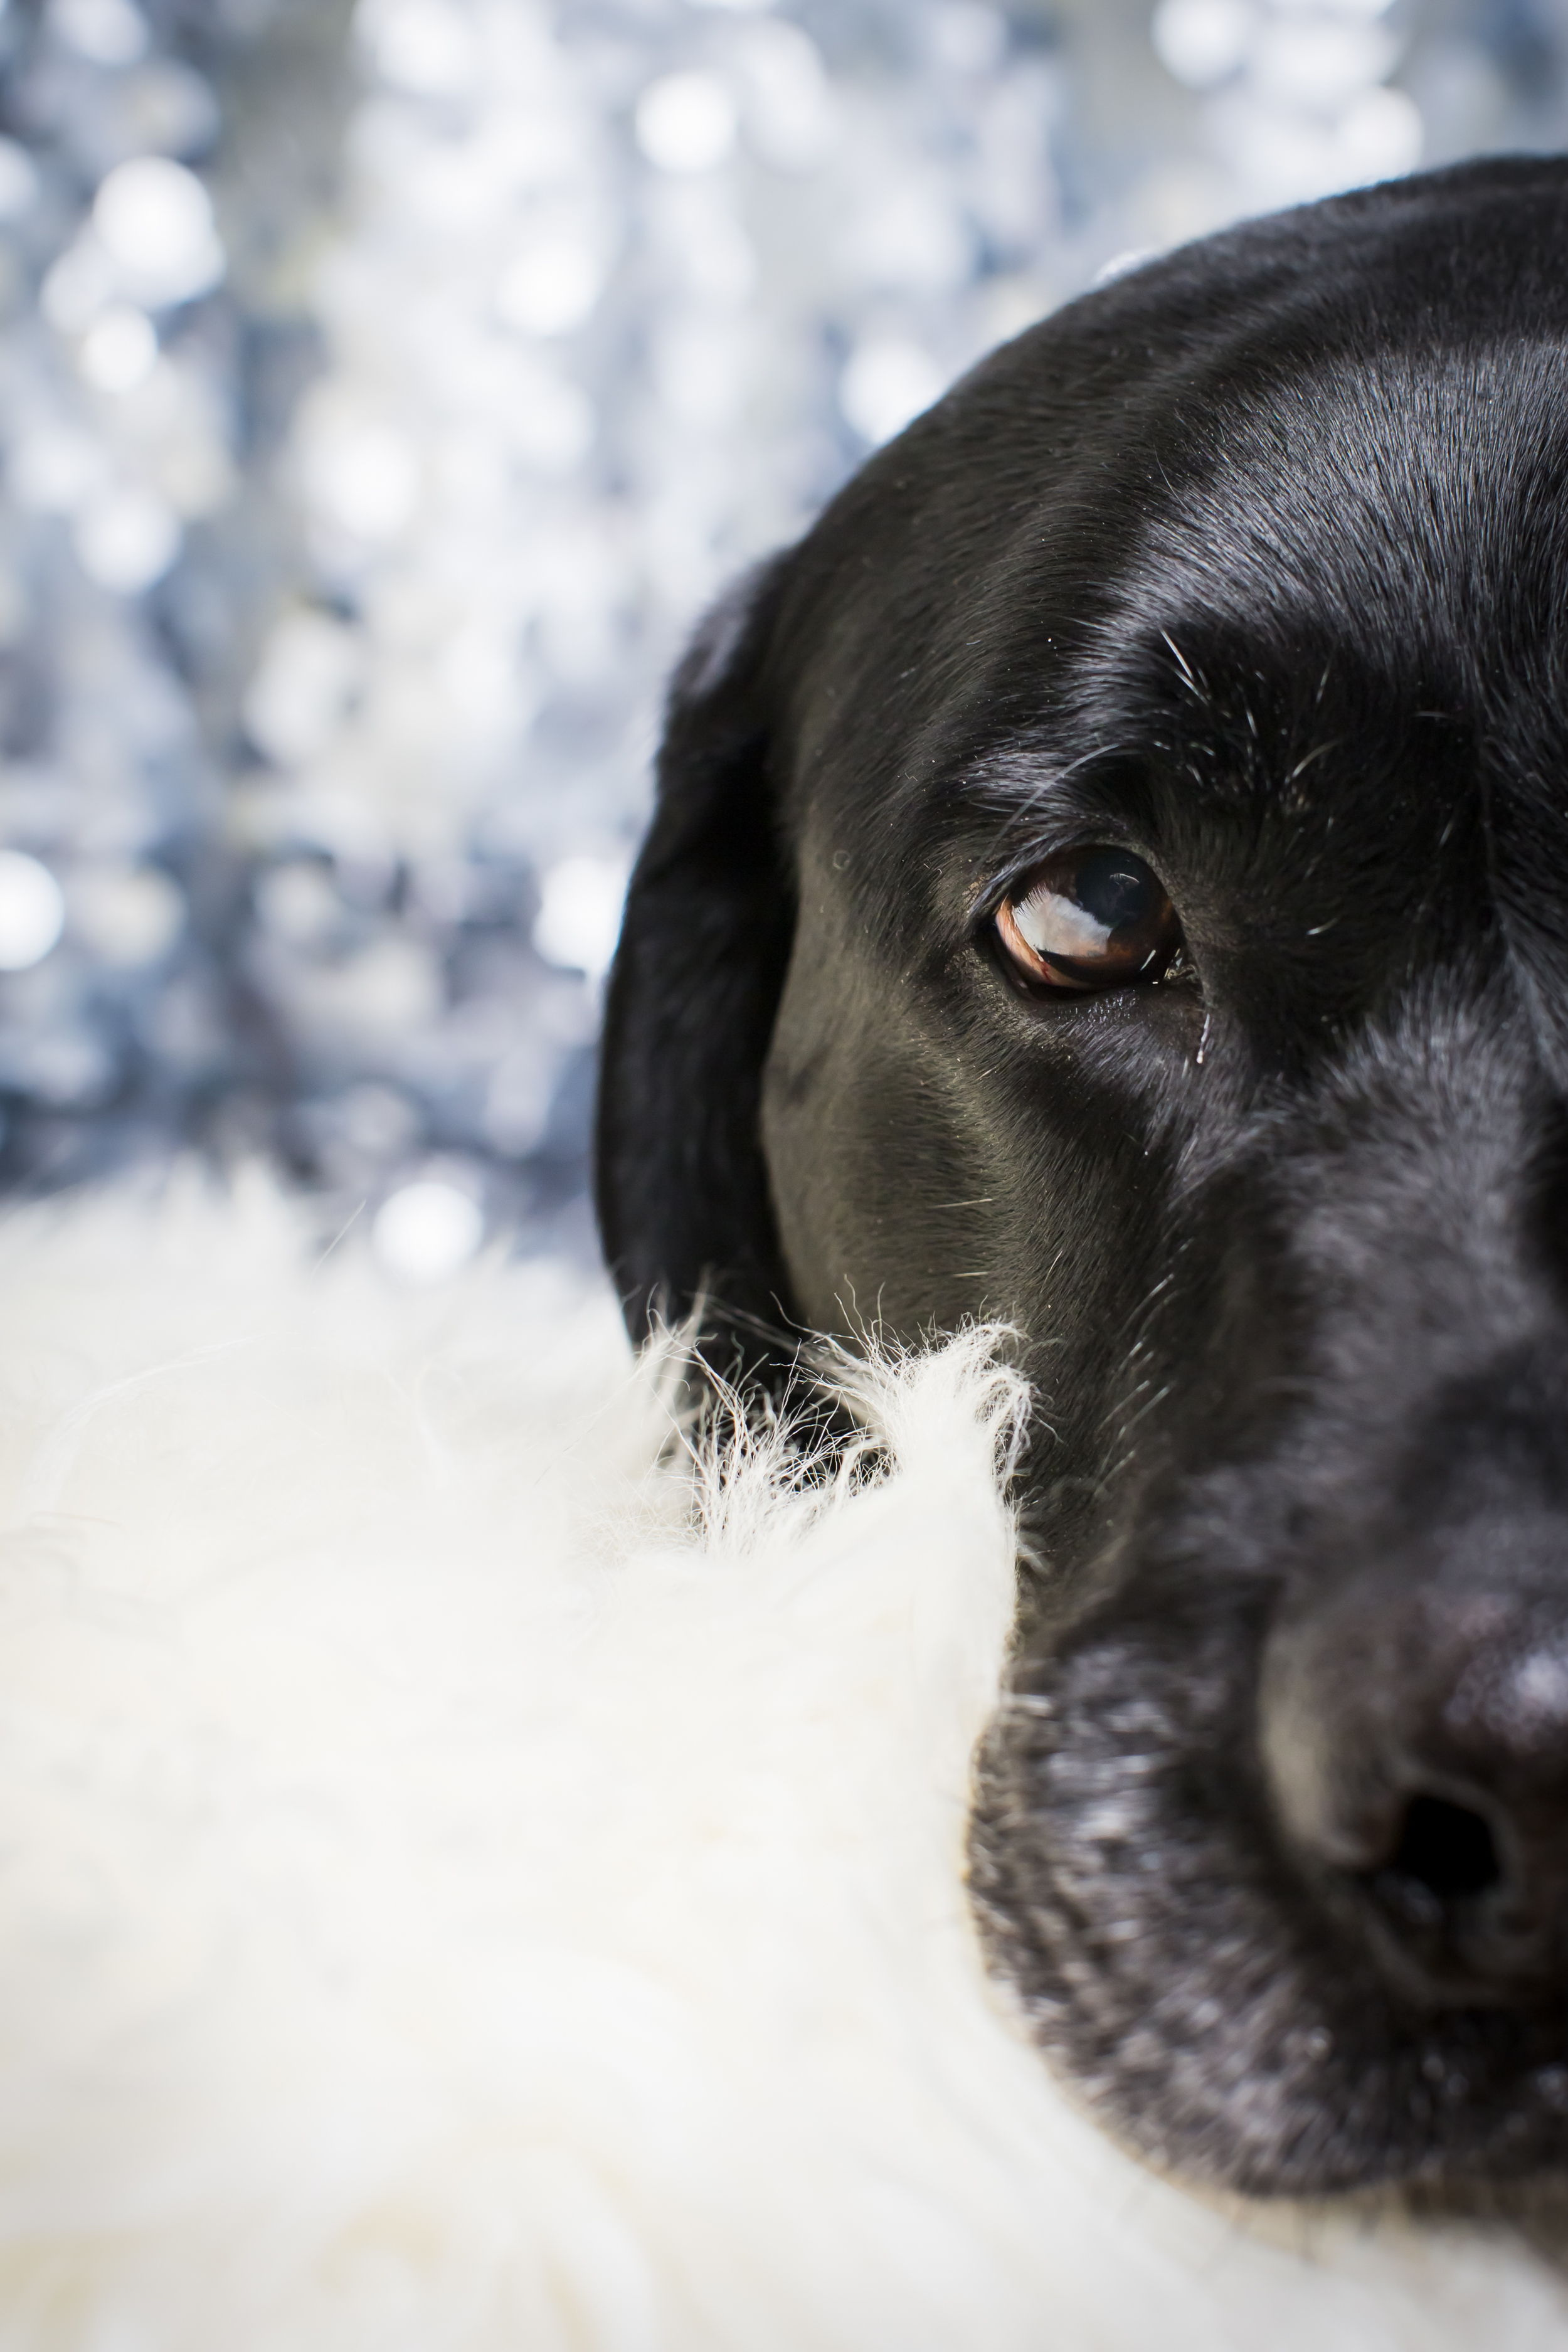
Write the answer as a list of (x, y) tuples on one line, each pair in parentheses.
[(127, 539), (686, 122), (109, 32), (425, 46), (360, 474), (154, 221), (1381, 135), (550, 288), (1202, 41), (119, 350), (32, 910), (888, 381), (427, 1230), (581, 900)]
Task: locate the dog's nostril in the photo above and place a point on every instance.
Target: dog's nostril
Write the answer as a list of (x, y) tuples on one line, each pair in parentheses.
[(1445, 1848), (1427, 1803)]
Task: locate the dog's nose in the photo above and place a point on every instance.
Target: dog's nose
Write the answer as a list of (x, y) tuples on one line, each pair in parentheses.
[(1414, 1737)]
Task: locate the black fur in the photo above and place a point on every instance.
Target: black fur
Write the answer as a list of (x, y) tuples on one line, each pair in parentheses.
[(1254, 563)]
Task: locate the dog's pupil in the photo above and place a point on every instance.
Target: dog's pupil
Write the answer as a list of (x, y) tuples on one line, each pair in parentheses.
[(1114, 888)]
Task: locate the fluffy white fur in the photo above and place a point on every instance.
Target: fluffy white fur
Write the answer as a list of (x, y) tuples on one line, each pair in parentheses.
[(456, 1894)]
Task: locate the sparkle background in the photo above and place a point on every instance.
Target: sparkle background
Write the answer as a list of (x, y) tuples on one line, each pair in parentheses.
[(383, 391)]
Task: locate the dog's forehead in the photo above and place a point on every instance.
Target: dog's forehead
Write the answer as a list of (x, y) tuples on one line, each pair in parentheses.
[(1298, 565), (1345, 609), (1379, 530)]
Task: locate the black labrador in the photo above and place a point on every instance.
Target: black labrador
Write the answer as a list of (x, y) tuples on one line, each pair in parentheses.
[(1113, 875)]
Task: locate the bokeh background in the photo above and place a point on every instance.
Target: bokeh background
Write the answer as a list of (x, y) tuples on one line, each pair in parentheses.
[(386, 387)]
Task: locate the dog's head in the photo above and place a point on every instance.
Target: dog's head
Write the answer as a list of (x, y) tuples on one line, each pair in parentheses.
[(1113, 876)]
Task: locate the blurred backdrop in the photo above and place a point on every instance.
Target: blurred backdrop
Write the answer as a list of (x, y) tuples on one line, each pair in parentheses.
[(384, 390)]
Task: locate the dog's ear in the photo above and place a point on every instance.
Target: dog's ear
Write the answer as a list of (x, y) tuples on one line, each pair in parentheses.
[(682, 1189)]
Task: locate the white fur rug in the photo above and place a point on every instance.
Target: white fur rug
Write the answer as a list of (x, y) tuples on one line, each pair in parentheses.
[(454, 1896)]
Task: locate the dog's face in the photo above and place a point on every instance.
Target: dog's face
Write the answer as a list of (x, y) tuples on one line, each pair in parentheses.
[(1115, 876)]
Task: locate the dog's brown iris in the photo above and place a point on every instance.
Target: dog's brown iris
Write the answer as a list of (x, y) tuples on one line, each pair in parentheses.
[(1087, 919)]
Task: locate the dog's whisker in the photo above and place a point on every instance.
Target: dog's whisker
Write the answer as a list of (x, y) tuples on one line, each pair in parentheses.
[(1155, 1399)]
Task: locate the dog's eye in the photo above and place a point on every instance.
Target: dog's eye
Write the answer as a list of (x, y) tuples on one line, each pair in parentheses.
[(1090, 919)]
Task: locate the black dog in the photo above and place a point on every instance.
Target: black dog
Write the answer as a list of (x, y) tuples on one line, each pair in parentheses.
[(1114, 876)]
